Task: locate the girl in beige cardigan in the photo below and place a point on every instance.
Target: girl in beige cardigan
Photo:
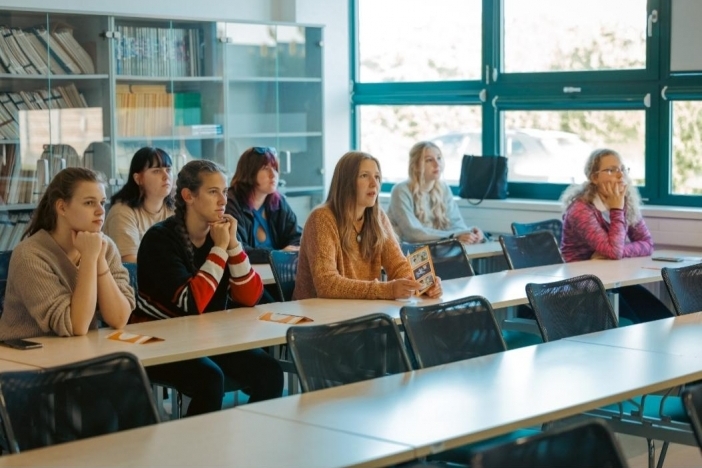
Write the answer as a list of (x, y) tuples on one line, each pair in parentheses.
[(347, 241)]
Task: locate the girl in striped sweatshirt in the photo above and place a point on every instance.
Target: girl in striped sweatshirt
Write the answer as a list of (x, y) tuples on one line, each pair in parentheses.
[(192, 263)]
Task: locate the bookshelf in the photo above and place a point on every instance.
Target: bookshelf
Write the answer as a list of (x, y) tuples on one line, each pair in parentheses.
[(91, 89)]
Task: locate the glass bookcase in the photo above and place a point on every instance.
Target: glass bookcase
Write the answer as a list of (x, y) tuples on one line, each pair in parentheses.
[(89, 90)]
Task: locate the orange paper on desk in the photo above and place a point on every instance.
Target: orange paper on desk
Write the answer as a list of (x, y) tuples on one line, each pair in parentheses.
[(283, 318), (132, 338)]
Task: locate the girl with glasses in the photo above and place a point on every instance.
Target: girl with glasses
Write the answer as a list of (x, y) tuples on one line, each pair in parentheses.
[(349, 239), (65, 273), (422, 209), (265, 219), (192, 263), (602, 219), (146, 199)]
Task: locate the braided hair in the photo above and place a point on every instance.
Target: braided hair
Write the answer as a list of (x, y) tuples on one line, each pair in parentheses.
[(190, 178)]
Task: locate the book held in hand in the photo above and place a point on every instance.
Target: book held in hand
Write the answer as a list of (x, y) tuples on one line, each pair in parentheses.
[(422, 268)]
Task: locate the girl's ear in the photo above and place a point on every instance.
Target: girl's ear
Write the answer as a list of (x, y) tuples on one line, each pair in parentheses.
[(60, 207), (187, 195), (137, 178)]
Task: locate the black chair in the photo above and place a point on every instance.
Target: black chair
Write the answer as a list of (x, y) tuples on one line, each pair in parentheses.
[(4, 268), (346, 352), (555, 226), (570, 307), (685, 287), (449, 258), (531, 250), (579, 305), (284, 268), (691, 397), (583, 445), (452, 331), (84, 399)]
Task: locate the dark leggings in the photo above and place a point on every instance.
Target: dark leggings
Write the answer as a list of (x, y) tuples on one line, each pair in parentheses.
[(639, 305), (202, 379)]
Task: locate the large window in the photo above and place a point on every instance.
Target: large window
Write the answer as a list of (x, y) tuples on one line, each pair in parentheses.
[(548, 35), (543, 82), (687, 148), (388, 132), (552, 146), (416, 40)]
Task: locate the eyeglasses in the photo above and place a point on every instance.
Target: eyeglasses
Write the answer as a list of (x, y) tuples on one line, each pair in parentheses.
[(615, 170), (265, 150)]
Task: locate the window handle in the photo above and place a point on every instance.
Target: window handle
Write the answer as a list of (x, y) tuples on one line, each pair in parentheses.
[(652, 18)]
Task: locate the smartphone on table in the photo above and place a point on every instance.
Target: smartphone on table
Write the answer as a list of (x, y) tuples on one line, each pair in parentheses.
[(667, 259), (21, 344)]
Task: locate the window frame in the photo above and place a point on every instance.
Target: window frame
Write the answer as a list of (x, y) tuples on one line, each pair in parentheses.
[(599, 90)]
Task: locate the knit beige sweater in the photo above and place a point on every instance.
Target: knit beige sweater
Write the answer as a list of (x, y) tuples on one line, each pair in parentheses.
[(326, 270), (41, 280)]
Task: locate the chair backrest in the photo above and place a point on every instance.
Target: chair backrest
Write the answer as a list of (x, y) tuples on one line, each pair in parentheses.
[(284, 268), (583, 445), (530, 250), (555, 226), (449, 258), (571, 307), (84, 399), (132, 269), (4, 268), (452, 331), (685, 287), (691, 397), (346, 352)]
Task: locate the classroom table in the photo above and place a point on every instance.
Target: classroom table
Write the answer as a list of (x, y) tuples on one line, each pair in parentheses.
[(239, 329), (265, 272), (678, 336), (11, 366), (623, 272), (447, 406), (224, 438), (473, 251), (394, 418)]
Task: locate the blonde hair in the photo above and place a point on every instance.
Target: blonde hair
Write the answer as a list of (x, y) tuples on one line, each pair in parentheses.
[(342, 203), (587, 190), (436, 194)]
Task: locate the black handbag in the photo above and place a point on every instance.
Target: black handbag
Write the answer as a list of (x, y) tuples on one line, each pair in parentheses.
[(483, 177)]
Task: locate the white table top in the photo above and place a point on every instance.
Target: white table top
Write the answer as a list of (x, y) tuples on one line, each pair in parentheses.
[(486, 249), (447, 406), (224, 438), (7, 366), (239, 329), (618, 273), (679, 336), (265, 272)]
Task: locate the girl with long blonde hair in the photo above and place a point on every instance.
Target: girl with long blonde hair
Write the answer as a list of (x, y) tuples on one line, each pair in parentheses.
[(422, 208)]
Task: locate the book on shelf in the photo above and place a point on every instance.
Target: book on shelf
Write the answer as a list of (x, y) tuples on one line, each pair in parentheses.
[(198, 130), (56, 51), (187, 108), (15, 64), (26, 47), (63, 34)]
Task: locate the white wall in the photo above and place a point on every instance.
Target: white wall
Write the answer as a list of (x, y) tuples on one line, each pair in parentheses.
[(333, 14)]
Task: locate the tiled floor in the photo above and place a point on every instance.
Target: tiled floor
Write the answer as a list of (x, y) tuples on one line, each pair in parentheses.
[(678, 456)]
